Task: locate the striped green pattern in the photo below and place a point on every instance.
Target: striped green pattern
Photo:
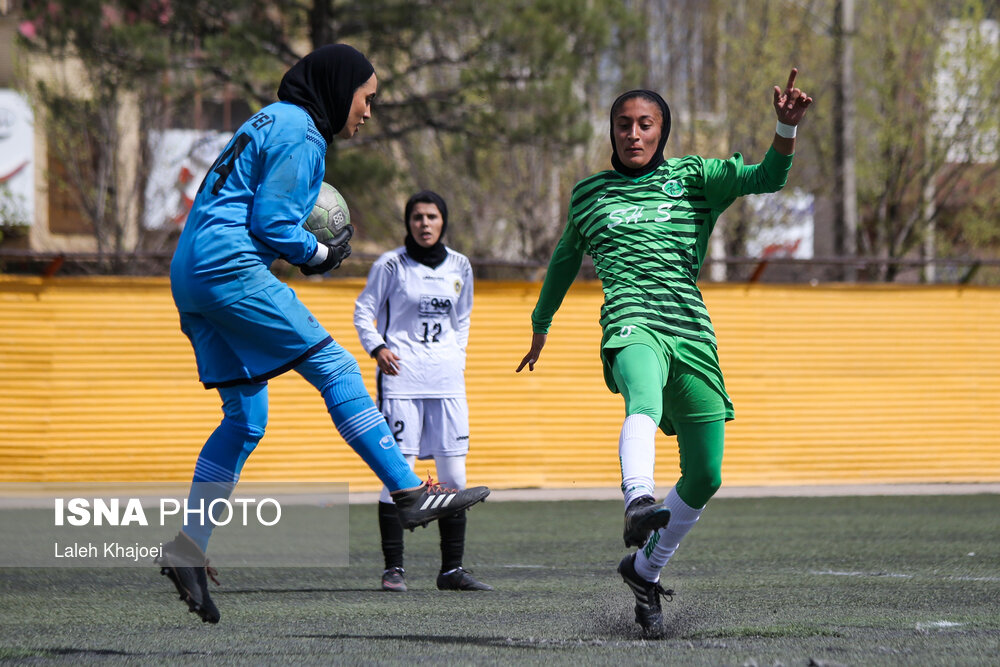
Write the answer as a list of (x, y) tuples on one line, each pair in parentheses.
[(648, 240), (648, 237)]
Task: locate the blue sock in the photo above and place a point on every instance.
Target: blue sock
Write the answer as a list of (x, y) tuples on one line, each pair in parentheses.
[(363, 427), (335, 373), (224, 453)]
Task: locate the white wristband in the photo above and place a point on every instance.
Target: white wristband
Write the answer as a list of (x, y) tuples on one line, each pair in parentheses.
[(786, 131), (322, 252)]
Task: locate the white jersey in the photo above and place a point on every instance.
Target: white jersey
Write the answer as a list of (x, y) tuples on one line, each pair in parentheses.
[(422, 315)]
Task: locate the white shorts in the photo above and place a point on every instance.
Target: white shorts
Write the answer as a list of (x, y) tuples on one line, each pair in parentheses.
[(428, 427)]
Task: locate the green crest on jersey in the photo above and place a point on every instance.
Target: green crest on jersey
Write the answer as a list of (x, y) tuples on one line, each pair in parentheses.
[(673, 188)]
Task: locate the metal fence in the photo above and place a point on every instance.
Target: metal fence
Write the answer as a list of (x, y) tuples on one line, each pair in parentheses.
[(783, 270)]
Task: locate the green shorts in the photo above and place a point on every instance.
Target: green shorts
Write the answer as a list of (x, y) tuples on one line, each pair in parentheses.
[(694, 390)]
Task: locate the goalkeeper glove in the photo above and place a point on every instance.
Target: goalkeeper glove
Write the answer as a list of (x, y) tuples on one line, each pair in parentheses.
[(329, 255)]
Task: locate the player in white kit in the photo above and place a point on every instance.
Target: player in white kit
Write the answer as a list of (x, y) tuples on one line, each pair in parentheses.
[(413, 318)]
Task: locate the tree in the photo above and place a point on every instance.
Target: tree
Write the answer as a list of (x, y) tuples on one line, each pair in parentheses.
[(930, 79), (927, 88), (86, 79), (502, 105), (503, 108), (471, 94), (715, 62)]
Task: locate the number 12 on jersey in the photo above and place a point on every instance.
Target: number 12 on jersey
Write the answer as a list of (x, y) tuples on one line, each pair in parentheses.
[(431, 332)]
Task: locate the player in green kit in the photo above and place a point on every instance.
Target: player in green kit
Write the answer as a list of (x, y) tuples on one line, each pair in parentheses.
[(646, 225)]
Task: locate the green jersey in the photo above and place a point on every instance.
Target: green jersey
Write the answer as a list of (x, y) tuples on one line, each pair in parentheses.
[(648, 238)]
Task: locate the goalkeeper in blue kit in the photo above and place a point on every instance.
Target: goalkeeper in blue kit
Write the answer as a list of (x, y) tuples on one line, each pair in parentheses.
[(646, 224), (246, 326)]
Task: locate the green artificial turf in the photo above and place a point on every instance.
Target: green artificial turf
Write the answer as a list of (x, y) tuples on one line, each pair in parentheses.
[(893, 580)]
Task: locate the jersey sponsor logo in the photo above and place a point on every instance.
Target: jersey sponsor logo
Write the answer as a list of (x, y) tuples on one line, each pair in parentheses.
[(663, 212), (629, 214), (434, 306), (673, 188), (636, 214)]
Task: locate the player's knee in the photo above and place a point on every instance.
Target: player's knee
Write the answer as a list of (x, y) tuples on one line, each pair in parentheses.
[(245, 430), (713, 483), (248, 447), (653, 411), (700, 486), (644, 398), (345, 388), (328, 367), (245, 409)]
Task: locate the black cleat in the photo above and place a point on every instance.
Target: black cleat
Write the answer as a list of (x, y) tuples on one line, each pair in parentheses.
[(394, 579), (648, 612), (642, 516), (429, 502), (460, 579), (185, 565)]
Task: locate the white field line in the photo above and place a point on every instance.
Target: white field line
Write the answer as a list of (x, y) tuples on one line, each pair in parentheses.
[(938, 625), (895, 575), (841, 573)]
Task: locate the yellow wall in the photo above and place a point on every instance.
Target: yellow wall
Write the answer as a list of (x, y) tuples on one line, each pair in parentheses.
[(831, 385)]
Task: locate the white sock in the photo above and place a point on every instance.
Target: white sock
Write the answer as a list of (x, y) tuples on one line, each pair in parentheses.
[(637, 453), (663, 543), (450, 471)]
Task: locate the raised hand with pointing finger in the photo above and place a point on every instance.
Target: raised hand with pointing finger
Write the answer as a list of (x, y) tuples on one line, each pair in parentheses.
[(790, 105)]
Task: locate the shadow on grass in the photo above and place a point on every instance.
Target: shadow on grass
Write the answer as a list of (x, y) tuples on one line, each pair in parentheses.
[(284, 591), (20, 653)]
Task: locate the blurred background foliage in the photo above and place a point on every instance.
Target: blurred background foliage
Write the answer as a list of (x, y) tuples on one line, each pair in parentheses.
[(502, 106)]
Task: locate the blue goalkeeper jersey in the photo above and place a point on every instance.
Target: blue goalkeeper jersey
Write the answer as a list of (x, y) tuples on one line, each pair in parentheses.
[(249, 210)]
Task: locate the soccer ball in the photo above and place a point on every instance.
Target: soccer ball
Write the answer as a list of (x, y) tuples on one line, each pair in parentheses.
[(329, 215)]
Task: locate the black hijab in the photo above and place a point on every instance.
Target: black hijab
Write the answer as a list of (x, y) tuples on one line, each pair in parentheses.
[(657, 158), (437, 253), (323, 83)]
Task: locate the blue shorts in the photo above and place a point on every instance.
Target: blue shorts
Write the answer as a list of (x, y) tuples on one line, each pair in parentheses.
[(254, 339)]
